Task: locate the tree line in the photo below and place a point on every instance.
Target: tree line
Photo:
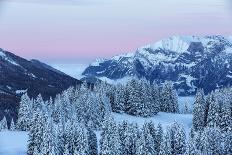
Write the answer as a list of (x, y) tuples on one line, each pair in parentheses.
[(66, 125)]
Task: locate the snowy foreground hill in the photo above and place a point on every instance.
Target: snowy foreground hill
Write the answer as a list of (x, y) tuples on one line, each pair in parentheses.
[(15, 143), (189, 61)]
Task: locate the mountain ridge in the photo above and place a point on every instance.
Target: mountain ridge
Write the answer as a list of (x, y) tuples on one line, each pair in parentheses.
[(18, 75), (178, 59)]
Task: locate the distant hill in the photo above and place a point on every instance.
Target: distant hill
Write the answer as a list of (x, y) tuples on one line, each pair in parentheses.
[(18, 75)]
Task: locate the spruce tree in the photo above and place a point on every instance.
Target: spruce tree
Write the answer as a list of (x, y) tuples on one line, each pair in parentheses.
[(159, 137), (25, 113), (165, 148), (110, 140), (226, 119), (12, 125), (169, 98), (134, 105), (214, 113), (36, 133), (228, 143), (148, 141), (92, 142), (3, 124), (191, 149), (212, 141), (120, 101), (198, 111)]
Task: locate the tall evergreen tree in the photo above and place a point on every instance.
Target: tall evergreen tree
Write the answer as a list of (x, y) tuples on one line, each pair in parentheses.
[(169, 98), (198, 111), (36, 133), (228, 143), (226, 119), (12, 125), (148, 141), (165, 148), (134, 105), (92, 142), (159, 137), (214, 113), (25, 113), (3, 124), (212, 141), (191, 149), (110, 141)]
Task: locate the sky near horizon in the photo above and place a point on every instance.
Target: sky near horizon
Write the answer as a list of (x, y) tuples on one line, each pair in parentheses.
[(82, 30)]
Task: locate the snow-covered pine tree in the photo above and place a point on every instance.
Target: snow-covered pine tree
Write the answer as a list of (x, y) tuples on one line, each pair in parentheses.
[(206, 108), (186, 108), (110, 140), (134, 105), (60, 136), (176, 137), (198, 142), (66, 150), (38, 102), (3, 124), (198, 111), (128, 141), (12, 125), (180, 141), (25, 113), (151, 103), (165, 148), (159, 137), (36, 133), (226, 119), (146, 99), (92, 142), (49, 139), (120, 101), (191, 149), (213, 118), (212, 141), (123, 133), (155, 93), (80, 139), (56, 113), (169, 98), (135, 132), (148, 141), (139, 144), (228, 143)]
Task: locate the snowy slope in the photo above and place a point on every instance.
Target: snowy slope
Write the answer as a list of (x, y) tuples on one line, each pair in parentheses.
[(13, 143), (163, 118)]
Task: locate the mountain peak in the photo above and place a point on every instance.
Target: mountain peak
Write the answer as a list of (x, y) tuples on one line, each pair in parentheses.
[(181, 59)]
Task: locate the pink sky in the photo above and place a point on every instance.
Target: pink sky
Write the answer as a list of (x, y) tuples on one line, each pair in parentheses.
[(88, 29)]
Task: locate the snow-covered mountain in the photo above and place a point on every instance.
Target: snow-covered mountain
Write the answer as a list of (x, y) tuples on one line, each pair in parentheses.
[(189, 61), (18, 75)]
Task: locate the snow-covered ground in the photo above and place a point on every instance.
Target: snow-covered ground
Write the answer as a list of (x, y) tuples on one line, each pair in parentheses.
[(13, 143), (163, 118)]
